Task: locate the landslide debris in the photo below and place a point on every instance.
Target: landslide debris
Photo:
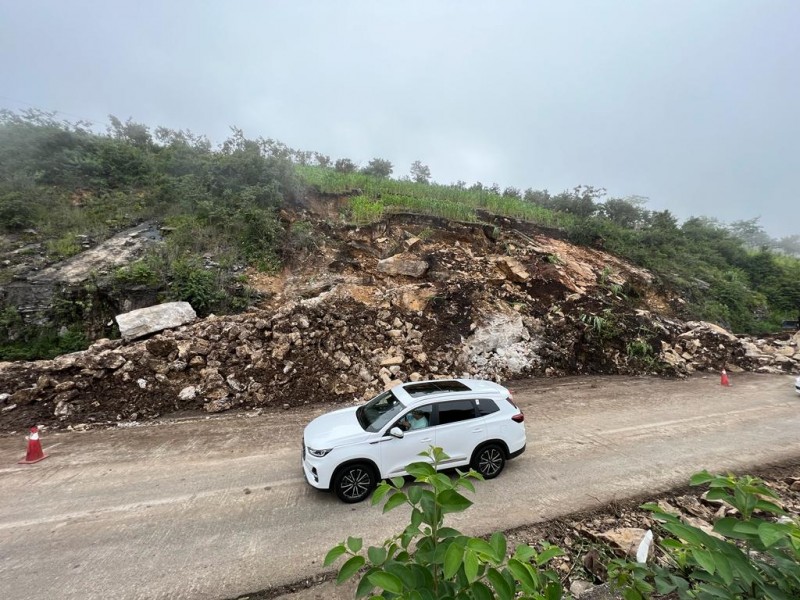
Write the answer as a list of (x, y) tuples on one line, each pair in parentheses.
[(406, 299)]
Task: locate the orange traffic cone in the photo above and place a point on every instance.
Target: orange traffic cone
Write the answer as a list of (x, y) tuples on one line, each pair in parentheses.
[(35, 453), (724, 378)]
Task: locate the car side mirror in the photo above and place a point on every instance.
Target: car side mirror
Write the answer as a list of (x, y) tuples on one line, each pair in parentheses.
[(396, 432)]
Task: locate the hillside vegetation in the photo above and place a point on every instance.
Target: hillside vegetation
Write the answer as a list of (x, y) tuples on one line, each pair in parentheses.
[(247, 206)]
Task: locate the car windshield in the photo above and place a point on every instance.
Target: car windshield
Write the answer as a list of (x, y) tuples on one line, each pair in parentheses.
[(379, 411)]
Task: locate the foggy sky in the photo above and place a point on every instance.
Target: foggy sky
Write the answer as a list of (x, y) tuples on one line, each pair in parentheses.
[(691, 104)]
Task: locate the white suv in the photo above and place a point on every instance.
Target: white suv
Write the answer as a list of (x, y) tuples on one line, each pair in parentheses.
[(475, 422)]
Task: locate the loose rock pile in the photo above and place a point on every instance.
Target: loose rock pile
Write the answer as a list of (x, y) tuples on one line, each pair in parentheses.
[(378, 306)]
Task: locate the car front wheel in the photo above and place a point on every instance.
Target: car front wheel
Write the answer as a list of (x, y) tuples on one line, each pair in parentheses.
[(354, 483), (489, 461)]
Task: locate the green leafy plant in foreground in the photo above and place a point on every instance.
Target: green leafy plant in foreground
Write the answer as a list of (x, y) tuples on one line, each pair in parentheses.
[(753, 555), (429, 561)]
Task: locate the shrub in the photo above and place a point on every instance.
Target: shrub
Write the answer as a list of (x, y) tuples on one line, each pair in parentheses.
[(429, 561), (195, 285), (65, 246), (752, 555), (16, 212)]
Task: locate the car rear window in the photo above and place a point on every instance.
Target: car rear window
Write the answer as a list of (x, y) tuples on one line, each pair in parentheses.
[(486, 407), (456, 410)]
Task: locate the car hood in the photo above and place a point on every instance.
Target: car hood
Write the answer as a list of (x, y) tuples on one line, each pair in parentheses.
[(337, 428)]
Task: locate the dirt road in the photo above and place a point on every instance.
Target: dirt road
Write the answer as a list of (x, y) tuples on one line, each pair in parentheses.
[(213, 508)]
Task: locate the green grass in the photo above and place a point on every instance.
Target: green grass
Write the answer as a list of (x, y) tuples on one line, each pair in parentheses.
[(373, 197)]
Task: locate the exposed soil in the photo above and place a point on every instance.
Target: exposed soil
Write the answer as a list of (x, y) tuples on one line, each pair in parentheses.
[(365, 308)]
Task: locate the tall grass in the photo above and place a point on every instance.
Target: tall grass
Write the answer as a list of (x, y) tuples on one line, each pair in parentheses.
[(373, 197)]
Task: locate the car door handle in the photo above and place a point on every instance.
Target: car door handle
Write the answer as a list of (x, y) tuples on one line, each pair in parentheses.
[(477, 430), (426, 440)]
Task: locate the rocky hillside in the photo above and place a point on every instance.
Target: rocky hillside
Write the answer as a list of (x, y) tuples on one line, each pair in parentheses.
[(408, 298)]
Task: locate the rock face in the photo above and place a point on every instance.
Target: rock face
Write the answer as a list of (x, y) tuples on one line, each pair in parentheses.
[(152, 319), (33, 292)]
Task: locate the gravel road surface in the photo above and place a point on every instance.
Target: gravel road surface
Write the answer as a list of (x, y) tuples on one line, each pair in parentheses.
[(209, 508)]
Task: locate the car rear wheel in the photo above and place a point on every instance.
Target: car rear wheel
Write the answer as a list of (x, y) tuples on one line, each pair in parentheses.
[(354, 483), (489, 460)]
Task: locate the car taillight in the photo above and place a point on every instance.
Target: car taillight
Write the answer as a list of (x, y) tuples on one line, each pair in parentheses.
[(519, 418)]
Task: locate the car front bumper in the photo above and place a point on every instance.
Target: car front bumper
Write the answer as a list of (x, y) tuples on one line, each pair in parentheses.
[(316, 471)]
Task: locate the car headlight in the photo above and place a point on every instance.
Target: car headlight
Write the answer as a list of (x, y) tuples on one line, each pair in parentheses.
[(318, 453)]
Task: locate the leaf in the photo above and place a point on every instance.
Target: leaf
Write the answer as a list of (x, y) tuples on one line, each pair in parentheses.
[(701, 478), (354, 544), (333, 554), (386, 581), (723, 568), (364, 586), (416, 517), (524, 553), (554, 591), (466, 483), (452, 560), (480, 591), (548, 554), (440, 481), (481, 547), (350, 568), (720, 494), (420, 470), (705, 560), (448, 532), (769, 507), (500, 585), (439, 454), (380, 492), (771, 533), (470, 565), (405, 574), (522, 575), (395, 500), (498, 542), (727, 527), (409, 533), (414, 494), (451, 501), (693, 535), (631, 594), (748, 529), (377, 555), (398, 482)]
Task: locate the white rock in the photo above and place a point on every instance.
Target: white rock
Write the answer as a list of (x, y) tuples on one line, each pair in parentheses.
[(143, 321), (187, 393)]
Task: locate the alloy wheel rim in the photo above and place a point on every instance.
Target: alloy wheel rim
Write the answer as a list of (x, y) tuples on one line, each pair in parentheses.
[(355, 484), (490, 462)]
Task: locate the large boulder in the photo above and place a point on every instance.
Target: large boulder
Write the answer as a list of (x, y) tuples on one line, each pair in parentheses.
[(143, 321), (403, 264)]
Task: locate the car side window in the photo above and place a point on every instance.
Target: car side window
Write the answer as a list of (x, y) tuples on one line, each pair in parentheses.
[(416, 418), (486, 407), (455, 410)]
